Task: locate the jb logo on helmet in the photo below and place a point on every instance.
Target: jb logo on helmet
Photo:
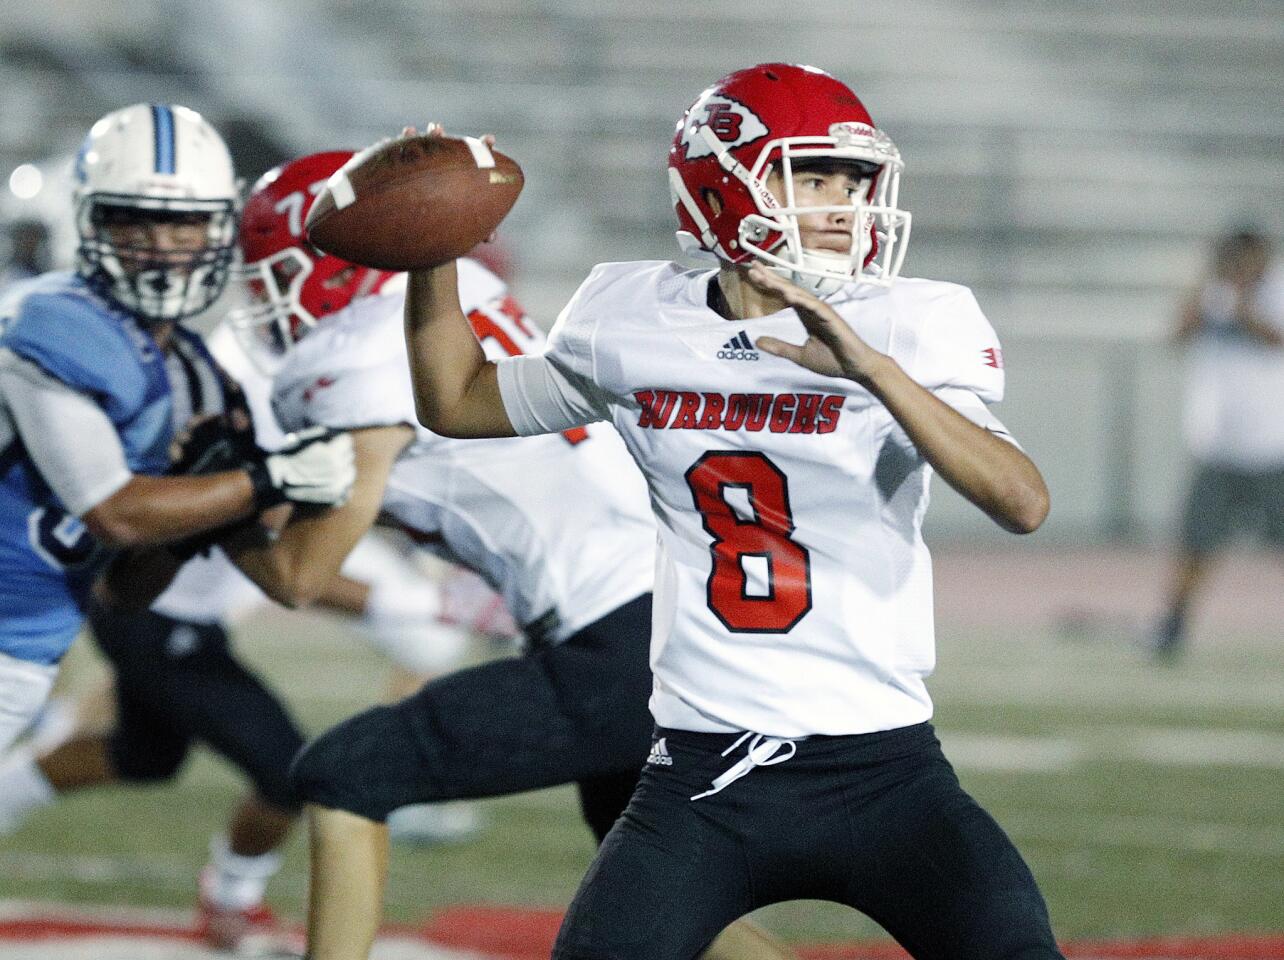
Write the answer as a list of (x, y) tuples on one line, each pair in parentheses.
[(732, 123)]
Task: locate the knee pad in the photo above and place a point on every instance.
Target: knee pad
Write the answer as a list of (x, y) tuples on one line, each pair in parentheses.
[(361, 766)]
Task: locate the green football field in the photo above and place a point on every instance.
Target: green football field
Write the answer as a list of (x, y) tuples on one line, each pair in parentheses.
[(1147, 800)]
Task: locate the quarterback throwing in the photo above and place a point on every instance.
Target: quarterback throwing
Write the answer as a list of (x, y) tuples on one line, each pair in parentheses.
[(786, 407)]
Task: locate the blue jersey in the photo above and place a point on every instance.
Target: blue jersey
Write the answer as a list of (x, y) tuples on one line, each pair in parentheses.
[(48, 559)]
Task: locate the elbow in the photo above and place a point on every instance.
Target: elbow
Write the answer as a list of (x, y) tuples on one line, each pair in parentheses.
[(429, 416), (433, 418), (1025, 523), (1027, 510), (446, 430)]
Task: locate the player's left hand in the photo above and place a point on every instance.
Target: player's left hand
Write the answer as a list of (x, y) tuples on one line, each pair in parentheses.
[(437, 130), (832, 348)]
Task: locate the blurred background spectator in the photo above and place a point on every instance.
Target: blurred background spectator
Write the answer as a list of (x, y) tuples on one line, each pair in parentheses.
[(1233, 325)]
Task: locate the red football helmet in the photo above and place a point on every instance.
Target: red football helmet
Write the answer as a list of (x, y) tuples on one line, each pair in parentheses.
[(292, 284), (771, 117)]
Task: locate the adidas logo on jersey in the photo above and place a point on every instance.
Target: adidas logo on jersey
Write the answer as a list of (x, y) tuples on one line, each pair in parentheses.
[(738, 348), (660, 754)]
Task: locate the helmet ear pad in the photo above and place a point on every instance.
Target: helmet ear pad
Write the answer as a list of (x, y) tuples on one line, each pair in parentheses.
[(726, 218)]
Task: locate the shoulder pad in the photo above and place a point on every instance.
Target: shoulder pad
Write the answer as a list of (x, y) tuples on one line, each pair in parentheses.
[(77, 338)]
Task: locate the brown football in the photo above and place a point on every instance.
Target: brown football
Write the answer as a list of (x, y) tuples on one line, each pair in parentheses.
[(414, 202)]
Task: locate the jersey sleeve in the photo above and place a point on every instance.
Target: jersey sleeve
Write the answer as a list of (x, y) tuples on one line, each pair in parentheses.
[(72, 342), (66, 434), (1270, 299), (959, 358), (556, 390)]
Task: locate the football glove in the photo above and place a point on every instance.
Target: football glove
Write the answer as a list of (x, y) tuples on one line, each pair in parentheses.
[(211, 446), (213, 443), (314, 466), (216, 442)]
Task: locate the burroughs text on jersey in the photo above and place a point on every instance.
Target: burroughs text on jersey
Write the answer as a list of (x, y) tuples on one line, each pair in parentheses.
[(775, 412)]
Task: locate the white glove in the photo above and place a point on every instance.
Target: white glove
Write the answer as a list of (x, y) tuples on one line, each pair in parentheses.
[(402, 619), (315, 466)]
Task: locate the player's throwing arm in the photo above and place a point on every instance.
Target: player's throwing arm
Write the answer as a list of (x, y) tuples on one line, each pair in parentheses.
[(417, 203)]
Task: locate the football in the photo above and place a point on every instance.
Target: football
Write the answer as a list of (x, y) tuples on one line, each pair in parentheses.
[(414, 202)]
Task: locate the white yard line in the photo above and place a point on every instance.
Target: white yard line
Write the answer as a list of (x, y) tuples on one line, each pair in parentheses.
[(149, 871), (969, 751), (1048, 683), (162, 946), (163, 875), (1157, 746)]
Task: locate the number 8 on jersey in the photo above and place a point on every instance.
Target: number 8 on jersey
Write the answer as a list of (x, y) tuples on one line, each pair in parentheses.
[(766, 535)]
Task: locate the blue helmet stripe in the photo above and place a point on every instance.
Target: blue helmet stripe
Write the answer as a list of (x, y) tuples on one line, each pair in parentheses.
[(163, 127)]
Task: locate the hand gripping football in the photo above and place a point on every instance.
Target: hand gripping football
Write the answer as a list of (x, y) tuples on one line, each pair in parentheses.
[(414, 202)]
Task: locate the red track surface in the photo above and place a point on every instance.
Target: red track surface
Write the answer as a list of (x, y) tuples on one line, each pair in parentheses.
[(523, 934)]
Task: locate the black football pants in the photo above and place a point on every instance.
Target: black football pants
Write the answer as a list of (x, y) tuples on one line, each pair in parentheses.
[(571, 713), (178, 683), (876, 821)]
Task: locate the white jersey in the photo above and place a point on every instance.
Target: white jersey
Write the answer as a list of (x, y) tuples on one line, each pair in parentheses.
[(1235, 385), (794, 590), (558, 525)]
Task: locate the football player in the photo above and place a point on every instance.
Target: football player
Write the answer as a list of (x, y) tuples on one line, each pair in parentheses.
[(558, 525), (178, 680), (787, 406), (87, 415)]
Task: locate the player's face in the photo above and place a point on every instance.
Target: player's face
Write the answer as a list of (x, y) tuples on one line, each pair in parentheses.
[(823, 187), (141, 238)]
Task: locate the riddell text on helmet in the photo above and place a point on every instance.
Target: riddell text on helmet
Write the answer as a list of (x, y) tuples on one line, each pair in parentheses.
[(775, 412)]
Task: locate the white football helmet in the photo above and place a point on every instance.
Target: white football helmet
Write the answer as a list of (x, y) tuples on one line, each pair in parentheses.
[(142, 168)]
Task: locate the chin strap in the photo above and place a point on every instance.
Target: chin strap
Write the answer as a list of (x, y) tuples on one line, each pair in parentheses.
[(819, 286)]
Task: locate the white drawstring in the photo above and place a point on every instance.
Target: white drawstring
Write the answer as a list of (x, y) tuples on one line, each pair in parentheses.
[(745, 765)]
